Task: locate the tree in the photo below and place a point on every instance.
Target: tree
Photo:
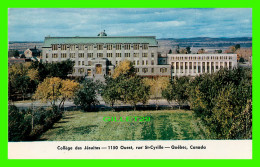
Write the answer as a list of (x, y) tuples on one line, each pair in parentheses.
[(124, 68), (49, 90), (156, 87), (220, 100), (22, 84), (59, 69), (13, 53), (237, 46), (241, 127), (201, 51), (67, 90), (126, 86), (183, 51), (136, 91), (110, 91), (53, 89), (218, 51), (177, 90), (177, 49), (19, 79), (86, 96), (241, 60), (188, 50)]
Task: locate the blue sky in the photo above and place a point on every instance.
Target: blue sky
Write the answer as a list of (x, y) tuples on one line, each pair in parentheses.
[(33, 24)]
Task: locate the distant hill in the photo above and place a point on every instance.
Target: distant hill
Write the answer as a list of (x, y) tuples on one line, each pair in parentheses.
[(206, 42), (165, 43)]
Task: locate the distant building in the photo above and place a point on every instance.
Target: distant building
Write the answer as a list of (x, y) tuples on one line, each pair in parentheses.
[(33, 52), (98, 56)]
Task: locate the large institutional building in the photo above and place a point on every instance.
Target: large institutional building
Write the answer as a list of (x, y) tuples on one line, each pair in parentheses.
[(98, 56)]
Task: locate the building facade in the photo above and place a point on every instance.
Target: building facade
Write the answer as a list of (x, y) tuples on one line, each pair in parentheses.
[(196, 64), (98, 56)]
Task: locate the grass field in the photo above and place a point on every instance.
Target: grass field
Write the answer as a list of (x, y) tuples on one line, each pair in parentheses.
[(164, 125)]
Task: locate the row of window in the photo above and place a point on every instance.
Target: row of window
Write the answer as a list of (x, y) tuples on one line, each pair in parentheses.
[(100, 46), (195, 65), (199, 63), (201, 69), (144, 70), (99, 55), (144, 62), (201, 58)]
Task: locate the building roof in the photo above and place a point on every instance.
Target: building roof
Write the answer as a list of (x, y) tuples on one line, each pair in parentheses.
[(151, 40)]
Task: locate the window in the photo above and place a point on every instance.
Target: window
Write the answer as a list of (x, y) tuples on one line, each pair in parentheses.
[(54, 55), (142, 62), (137, 70), (54, 47), (81, 55), (99, 47), (100, 55), (152, 62), (72, 55), (118, 46), (83, 63), (145, 70), (163, 70), (145, 46), (127, 46), (90, 47), (81, 47), (127, 54), (152, 70), (137, 62), (146, 62), (144, 54), (109, 47), (109, 54), (89, 63), (81, 70), (90, 55), (63, 55), (136, 54), (136, 46), (72, 47), (63, 47), (47, 55), (79, 63), (152, 54), (118, 54)]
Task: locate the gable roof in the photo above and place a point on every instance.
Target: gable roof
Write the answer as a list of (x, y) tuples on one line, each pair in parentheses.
[(151, 40)]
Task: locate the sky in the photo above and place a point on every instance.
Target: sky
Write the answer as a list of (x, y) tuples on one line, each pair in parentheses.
[(33, 24)]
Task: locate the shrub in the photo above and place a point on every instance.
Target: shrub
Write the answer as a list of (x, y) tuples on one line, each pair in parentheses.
[(29, 124)]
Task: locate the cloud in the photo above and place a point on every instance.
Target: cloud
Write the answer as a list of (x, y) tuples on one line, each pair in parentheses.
[(35, 24)]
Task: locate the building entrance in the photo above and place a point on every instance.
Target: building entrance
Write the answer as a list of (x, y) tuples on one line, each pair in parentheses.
[(98, 69)]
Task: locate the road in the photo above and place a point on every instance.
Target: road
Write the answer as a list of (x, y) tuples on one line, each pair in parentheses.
[(70, 105)]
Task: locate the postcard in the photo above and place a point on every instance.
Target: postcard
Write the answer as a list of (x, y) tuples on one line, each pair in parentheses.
[(130, 83)]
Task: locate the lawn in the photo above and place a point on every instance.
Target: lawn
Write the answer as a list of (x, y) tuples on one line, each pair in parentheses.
[(163, 125)]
